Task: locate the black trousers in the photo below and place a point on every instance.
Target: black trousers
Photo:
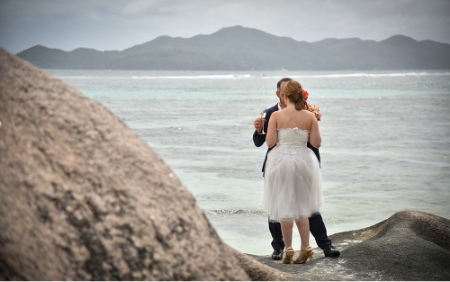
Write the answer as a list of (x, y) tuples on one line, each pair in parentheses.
[(316, 226)]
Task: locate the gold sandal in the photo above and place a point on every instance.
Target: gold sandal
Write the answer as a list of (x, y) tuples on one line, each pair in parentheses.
[(288, 257), (308, 254)]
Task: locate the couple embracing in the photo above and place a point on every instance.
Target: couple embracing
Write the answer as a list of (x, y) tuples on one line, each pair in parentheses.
[(292, 184)]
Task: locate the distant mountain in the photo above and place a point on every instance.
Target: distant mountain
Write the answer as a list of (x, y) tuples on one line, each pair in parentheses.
[(240, 48), (81, 58), (168, 59)]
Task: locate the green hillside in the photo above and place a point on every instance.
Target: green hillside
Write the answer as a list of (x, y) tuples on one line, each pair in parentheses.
[(240, 48)]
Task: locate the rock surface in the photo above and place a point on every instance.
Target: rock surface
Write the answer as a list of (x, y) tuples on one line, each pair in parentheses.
[(84, 198), (410, 245)]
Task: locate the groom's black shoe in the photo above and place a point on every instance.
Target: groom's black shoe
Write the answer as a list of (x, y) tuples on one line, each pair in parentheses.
[(277, 254), (331, 251)]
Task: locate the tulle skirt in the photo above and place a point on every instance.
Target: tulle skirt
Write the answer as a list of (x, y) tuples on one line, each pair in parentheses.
[(292, 183)]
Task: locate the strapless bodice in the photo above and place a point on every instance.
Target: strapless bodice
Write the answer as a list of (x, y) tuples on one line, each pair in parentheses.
[(292, 137)]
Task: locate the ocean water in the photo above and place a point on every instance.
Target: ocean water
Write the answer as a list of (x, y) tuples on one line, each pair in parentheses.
[(385, 140)]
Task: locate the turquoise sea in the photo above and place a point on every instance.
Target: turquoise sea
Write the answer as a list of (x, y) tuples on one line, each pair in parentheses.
[(385, 140)]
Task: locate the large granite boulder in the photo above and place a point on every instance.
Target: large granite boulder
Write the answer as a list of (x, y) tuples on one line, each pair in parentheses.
[(84, 198)]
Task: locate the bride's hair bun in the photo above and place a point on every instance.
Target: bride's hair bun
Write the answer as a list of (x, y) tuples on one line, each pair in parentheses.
[(294, 91)]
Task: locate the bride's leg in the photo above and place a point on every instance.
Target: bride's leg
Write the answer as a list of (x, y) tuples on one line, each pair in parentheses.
[(286, 229), (303, 229)]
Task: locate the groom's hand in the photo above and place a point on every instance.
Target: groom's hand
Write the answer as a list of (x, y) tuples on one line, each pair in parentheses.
[(259, 124)]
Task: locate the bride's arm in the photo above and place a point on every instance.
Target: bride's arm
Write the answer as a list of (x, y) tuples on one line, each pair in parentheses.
[(314, 137), (271, 135)]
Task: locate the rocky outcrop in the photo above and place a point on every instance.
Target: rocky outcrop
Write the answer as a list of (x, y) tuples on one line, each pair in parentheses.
[(84, 198), (410, 245)]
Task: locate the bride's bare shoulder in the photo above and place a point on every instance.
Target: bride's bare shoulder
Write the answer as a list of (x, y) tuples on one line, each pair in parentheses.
[(277, 113), (306, 112)]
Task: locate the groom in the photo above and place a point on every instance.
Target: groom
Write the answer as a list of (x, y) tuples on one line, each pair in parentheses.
[(316, 224)]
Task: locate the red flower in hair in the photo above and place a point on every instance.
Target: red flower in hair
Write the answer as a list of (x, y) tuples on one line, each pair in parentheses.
[(305, 94)]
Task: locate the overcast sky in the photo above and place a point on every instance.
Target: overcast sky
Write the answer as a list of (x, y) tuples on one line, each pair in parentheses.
[(117, 25)]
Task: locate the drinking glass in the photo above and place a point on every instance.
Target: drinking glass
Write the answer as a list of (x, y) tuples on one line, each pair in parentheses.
[(262, 114)]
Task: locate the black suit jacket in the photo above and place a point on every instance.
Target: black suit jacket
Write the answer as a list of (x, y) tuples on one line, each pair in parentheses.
[(259, 139)]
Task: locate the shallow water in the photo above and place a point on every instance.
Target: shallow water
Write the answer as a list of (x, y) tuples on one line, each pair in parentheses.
[(385, 140)]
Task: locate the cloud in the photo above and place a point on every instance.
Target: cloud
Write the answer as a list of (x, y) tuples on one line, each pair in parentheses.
[(116, 24), (155, 7)]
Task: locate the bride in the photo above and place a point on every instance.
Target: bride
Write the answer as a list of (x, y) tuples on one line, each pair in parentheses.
[(292, 187)]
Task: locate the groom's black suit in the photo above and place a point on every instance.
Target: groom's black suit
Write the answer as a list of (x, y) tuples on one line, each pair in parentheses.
[(316, 225)]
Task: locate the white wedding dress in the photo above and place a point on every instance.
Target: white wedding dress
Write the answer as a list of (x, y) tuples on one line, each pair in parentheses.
[(292, 181)]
